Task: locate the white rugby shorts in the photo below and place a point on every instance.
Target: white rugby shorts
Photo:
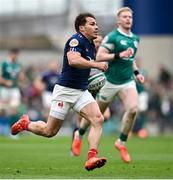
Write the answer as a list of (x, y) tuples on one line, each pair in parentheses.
[(65, 98), (47, 99), (11, 96), (108, 92)]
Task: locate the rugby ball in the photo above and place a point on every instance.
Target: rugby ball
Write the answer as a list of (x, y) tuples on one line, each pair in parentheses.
[(96, 82)]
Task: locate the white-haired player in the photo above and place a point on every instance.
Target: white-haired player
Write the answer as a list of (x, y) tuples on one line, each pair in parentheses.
[(119, 48)]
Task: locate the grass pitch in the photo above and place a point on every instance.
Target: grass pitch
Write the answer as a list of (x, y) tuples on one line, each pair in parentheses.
[(33, 157)]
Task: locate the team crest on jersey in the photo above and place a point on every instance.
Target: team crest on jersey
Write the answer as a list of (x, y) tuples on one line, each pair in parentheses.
[(135, 44), (123, 42), (73, 43)]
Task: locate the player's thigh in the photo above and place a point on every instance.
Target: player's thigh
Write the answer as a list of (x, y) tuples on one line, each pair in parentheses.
[(129, 97), (103, 106), (15, 97), (92, 112), (58, 112), (88, 107), (107, 93), (85, 99), (5, 94)]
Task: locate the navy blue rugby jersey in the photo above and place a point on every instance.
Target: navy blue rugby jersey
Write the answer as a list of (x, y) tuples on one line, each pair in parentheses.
[(73, 77), (50, 78)]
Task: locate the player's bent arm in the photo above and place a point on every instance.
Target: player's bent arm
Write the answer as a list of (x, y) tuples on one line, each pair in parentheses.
[(75, 60), (104, 55), (7, 83), (138, 75), (135, 68)]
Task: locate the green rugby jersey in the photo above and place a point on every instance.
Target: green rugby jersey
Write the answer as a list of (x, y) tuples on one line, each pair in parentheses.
[(10, 71), (120, 71)]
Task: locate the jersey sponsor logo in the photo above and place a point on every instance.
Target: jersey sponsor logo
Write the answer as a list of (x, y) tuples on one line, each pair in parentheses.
[(123, 42), (135, 44), (73, 43)]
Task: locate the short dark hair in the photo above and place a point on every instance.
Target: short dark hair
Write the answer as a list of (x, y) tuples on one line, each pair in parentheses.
[(14, 50), (81, 20)]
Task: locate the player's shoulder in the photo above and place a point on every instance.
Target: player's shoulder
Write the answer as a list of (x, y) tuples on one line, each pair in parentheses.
[(75, 40), (77, 36), (113, 33), (110, 37)]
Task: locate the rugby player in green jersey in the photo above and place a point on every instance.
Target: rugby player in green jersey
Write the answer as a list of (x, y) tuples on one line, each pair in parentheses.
[(118, 49), (10, 72)]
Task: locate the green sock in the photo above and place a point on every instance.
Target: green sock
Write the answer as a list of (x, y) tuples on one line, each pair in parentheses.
[(81, 131), (123, 137)]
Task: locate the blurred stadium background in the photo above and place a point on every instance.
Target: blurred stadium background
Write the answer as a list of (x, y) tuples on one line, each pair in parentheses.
[(39, 29)]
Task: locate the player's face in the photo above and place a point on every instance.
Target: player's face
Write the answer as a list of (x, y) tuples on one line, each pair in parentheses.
[(125, 20), (13, 56), (90, 29)]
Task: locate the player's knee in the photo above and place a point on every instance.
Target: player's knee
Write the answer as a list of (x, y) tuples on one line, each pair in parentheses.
[(99, 119)]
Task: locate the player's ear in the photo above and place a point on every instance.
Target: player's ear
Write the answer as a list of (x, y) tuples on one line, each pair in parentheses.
[(118, 21), (81, 28)]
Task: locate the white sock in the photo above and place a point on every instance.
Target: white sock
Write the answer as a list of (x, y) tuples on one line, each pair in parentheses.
[(121, 142)]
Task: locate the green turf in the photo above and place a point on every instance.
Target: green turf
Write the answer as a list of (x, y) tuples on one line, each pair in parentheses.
[(36, 157)]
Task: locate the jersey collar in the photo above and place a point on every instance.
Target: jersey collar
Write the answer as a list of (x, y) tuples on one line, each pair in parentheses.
[(128, 35), (86, 38)]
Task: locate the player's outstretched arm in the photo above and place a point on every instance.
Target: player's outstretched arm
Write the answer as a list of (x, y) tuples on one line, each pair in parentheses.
[(75, 60), (104, 55)]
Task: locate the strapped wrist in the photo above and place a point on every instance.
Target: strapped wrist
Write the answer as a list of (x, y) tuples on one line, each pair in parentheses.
[(116, 55), (136, 72)]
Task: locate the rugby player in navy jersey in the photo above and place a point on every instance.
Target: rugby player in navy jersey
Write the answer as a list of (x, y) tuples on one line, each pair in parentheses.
[(71, 90), (49, 78), (81, 123)]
